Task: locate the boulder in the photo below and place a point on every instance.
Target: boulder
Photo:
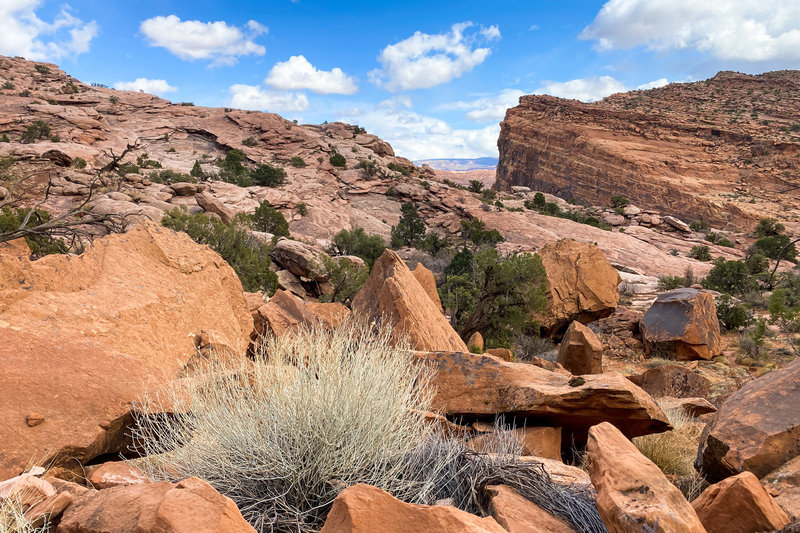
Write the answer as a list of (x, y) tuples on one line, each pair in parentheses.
[(212, 205), (581, 285), (519, 515), (184, 188), (756, 429), (366, 509), (690, 406), (392, 292), (301, 259), (633, 495), (113, 474), (330, 315), (189, 506), (739, 504), (501, 353), (284, 313), (537, 441), (682, 324), (783, 484), (289, 282), (26, 490), (475, 342), (678, 224), (428, 282), (672, 380), (581, 352), (480, 386), (84, 337)]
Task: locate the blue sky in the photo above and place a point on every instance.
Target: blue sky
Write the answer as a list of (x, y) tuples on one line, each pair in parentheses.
[(433, 78)]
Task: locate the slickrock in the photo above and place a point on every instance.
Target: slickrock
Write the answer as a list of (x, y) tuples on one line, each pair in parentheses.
[(366, 509), (284, 313), (481, 386), (392, 292), (633, 495), (739, 504), (189, 506), (519, 515), (117, 319), (428, 281), (682, 324), (581, 352), (672, 380), (503, 354), (581, 285), (756, 429)]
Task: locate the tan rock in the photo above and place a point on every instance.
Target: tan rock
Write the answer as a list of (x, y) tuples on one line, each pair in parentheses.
[(17, 248), (366, 509), (501, 353), (113, 474), (26, 490), (581, 352), (558, 471), (783, 484), (739, 504), (118, 319), (475, 342), (682, 324), (428, 281), (536, 441), (672, 380), (284, 313), (329, 314), (633, 495), (756, 429), (581, 284), (481, 386), (189, 506), (212, 205), (289, 282), (392, 292), (301, 259), (690, 406), (519, 515)]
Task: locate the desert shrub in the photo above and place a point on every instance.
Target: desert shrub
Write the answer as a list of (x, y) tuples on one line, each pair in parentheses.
[(197, 171), (768, 227), (298, 162), (8, 85), (527, 347), (170, 176), (302, 209), (699, 225), (756, 263), (673, 451), (40, 245), (250, 141), (732, 315), (370, 168), (776, 246), (338, 160), (127, 168), (38, 130), (701, 253), (42, 69), (267, 218), (13, 519), (731, 277), (78, 162), (489, 195), (475, 230), (410, 229), (144, 161), (668, 283), (397, 168), (6, 162), (113, 99), (248, 258), (267, 175), (618, 200), (345, 277), (4, 138), (232, 169), (357, 242), (433, 243), (475, 185)]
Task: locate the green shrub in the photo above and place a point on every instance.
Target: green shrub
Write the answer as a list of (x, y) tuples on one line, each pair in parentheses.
[(673, 451), (38, 130), (248, 258), (725, 242), (489, 195), (8, 85), (731, 277), (768, 227), (701, 253), (699, 225), (113, 99), (345, 277), (475, 230), (143, 161), (4, 139), (6, 162), (357, 242), (268, 175), (410, 229), (78, 162), (170, 176), (539, 200), (475, 185), (617, 200), (433, 243), (302, 209), (127, 168), (397, 168), (756, 263), (197, 171), (338, 160), (370, 168), (267, 218), (668, 283), (250, 141), (773, 246), (232, 169), (25, 93), (42, 69), (11, 220), (298, 162), (732, 315)]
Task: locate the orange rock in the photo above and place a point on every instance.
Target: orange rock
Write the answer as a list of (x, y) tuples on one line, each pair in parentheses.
[(428, 281), (783, 484), (475, 342), (113, 474), (519, 515), (501, 353), (682, 324), (17, 248), (189, 506), (26, 490), (672, 380), (329, 314), (690, 406), (392, 292), (366, 509), (284, 313), (537, 441), (739, 504), (581, 285), (633, 495), (581, 352)]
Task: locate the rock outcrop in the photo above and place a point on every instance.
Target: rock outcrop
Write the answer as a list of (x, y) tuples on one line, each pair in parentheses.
[(84, 336), (757, 429), (581, 352), (682, 324), (428, 281)]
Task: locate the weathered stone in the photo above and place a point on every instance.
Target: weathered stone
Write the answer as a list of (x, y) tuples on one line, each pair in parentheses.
[(289, 282), (756, 429), (501, 353), (330, 315), (739, 504), (537, 441), (212, 205), (113, 474), (475, 342), (366, 509), (581, 352), (519, 515), (428, 282), (783, 484), (392, 292), (300, 259), (677, 224), (26, 490), (633, 495), (184, 188), (284, 313), (690, 406), (682, 324), (672, 380)]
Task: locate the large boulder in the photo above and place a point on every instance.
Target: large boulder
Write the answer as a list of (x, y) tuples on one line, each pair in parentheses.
[(682, 324), (581, 285), (756, 429), (210, 204), (739, 504), (428, 282), (189, 506), (633, 495), (366, 509), (286, 313), (301, 259), (481, 386), (581, 352), (783, 484), (672, 380), (392, 292), (518, 515), (85, 336)]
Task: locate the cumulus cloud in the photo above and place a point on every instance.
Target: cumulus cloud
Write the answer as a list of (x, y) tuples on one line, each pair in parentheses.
[(488, 108), (583, 89), (747, 30), (193, 39), (653, 84), (23, 33), (255, 98), (146, 85), (423, 60), (298, 73)]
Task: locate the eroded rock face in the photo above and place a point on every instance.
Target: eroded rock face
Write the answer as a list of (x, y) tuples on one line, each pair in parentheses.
[(366, 509), (473, 385), (633, 495), (682, 324), (519, 515), (756, 429), (739, 504), (83, 336), (392, 292), (581, 285), (581, 352)]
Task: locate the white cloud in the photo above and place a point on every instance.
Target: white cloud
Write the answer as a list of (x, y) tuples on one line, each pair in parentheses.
[(583, 89), (533, 27), (298, 73), (423, 60), (489, 108), (653, 84), (255, 98), (24, 34), (146, 85), (193, 39), (748, 30)]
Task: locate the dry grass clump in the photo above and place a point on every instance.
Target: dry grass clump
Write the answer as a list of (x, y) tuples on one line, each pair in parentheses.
[(673, 451), (13, 519)]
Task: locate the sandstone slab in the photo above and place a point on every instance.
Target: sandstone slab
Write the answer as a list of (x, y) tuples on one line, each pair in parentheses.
[(428, 281), (519, 515), (301, 259)]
